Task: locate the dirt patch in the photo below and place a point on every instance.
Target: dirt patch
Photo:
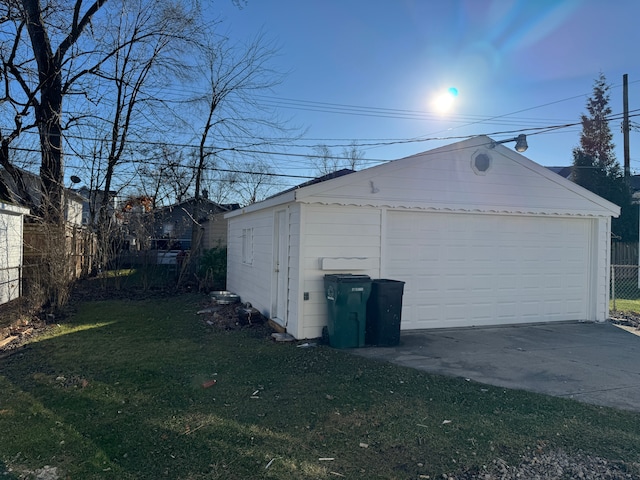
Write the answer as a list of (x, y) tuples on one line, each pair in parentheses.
[(231, 317), (18, 325)]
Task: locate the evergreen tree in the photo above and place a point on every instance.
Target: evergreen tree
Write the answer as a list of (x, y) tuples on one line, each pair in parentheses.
[(596, 139), (595, 166)]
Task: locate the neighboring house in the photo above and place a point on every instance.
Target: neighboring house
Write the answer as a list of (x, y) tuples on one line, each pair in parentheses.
[(133, 216), (73, 213), (9, 192), (11, 238), (91, 201), (173, 225), (480, 235), (214, 232)]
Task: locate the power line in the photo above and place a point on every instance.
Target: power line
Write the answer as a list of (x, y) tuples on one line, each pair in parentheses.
[(247, 150), (390, 142)]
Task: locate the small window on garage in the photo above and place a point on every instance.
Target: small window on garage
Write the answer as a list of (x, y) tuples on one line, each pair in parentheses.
[(247, 246), (481, 163)]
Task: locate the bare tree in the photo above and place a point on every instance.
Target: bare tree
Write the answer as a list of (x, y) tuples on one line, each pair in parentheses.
[(234, 76), (147, 39), (40, 70), (253, 183), (168, 175), (326, 162), (352, 156), (66, 68), (217, 183), (90, 78)]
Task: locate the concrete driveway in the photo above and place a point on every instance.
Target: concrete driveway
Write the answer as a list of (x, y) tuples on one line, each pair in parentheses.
[(597, 363)]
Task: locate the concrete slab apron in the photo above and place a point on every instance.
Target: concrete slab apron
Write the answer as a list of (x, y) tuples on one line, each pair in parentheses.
[(596, 363)]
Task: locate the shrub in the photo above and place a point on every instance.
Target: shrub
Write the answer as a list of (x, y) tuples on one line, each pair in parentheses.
[(212, 269)]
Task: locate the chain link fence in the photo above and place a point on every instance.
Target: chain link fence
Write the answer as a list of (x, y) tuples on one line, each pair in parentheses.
[(624, 289)]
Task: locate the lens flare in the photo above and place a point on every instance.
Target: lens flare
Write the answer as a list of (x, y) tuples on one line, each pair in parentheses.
[(443, 102)]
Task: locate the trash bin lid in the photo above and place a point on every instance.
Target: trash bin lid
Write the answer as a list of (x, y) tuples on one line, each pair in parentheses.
[(348, 277), (386, 280)]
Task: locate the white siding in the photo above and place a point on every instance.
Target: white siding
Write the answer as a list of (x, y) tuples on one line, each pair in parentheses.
[(445, 180), (10, 255), (255, 283), (337, 232), (295, 294), (251, 282), (602, 275)]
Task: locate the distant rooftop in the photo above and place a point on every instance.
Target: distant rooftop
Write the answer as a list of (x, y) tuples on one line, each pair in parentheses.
[(562, 171), (323, 178)]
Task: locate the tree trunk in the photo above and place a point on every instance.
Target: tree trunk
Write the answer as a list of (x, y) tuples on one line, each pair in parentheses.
[(48, 114), (52, 166)]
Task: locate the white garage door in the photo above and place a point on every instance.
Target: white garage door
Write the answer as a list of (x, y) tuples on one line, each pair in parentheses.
[(463, 269)]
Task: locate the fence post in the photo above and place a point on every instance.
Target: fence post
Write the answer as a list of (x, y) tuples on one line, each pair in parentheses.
[(613, 286)]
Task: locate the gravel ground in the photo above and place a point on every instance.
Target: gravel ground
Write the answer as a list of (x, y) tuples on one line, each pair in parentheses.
[(554, 465), (628, 319)]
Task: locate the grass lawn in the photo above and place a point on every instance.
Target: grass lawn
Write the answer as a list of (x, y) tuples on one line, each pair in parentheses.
[(625, 305), (116, 392)]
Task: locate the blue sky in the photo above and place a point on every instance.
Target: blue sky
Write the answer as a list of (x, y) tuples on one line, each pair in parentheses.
[(368, 70)]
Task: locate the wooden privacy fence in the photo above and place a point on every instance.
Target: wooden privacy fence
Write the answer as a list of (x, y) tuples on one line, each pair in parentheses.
[(624, 253), (76, 255)]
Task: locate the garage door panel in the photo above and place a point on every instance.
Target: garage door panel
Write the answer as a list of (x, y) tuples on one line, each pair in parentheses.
[(463, 269)]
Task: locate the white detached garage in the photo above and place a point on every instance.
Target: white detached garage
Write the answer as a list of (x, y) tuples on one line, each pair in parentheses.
[(480, 235)]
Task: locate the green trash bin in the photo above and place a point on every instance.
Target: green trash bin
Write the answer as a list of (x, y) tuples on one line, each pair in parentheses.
[(347, 296), (384, 312)]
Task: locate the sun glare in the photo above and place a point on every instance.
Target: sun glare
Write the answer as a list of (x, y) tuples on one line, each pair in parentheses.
[(444, 101)]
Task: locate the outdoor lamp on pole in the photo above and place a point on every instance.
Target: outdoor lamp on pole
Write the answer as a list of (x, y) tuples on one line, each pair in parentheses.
[(521, 143)]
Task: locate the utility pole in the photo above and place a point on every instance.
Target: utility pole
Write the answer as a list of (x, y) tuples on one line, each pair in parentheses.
[(625, 125)]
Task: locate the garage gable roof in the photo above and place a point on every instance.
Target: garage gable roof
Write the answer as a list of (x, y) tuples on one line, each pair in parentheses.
[(472, 175)]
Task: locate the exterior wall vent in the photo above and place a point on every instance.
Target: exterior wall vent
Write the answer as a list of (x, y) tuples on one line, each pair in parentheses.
[(481, 163)]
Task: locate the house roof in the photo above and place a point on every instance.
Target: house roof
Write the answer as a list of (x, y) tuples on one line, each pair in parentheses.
[(564, 172), (9, 190), (444, 179), (204, 201), (323, 178), (207, 208)]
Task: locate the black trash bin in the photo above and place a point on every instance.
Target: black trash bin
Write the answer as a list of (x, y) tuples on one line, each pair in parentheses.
[(347, 296), (384, 312)]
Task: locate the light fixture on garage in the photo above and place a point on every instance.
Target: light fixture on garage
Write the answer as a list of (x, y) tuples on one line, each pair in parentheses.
[(521, 143)]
